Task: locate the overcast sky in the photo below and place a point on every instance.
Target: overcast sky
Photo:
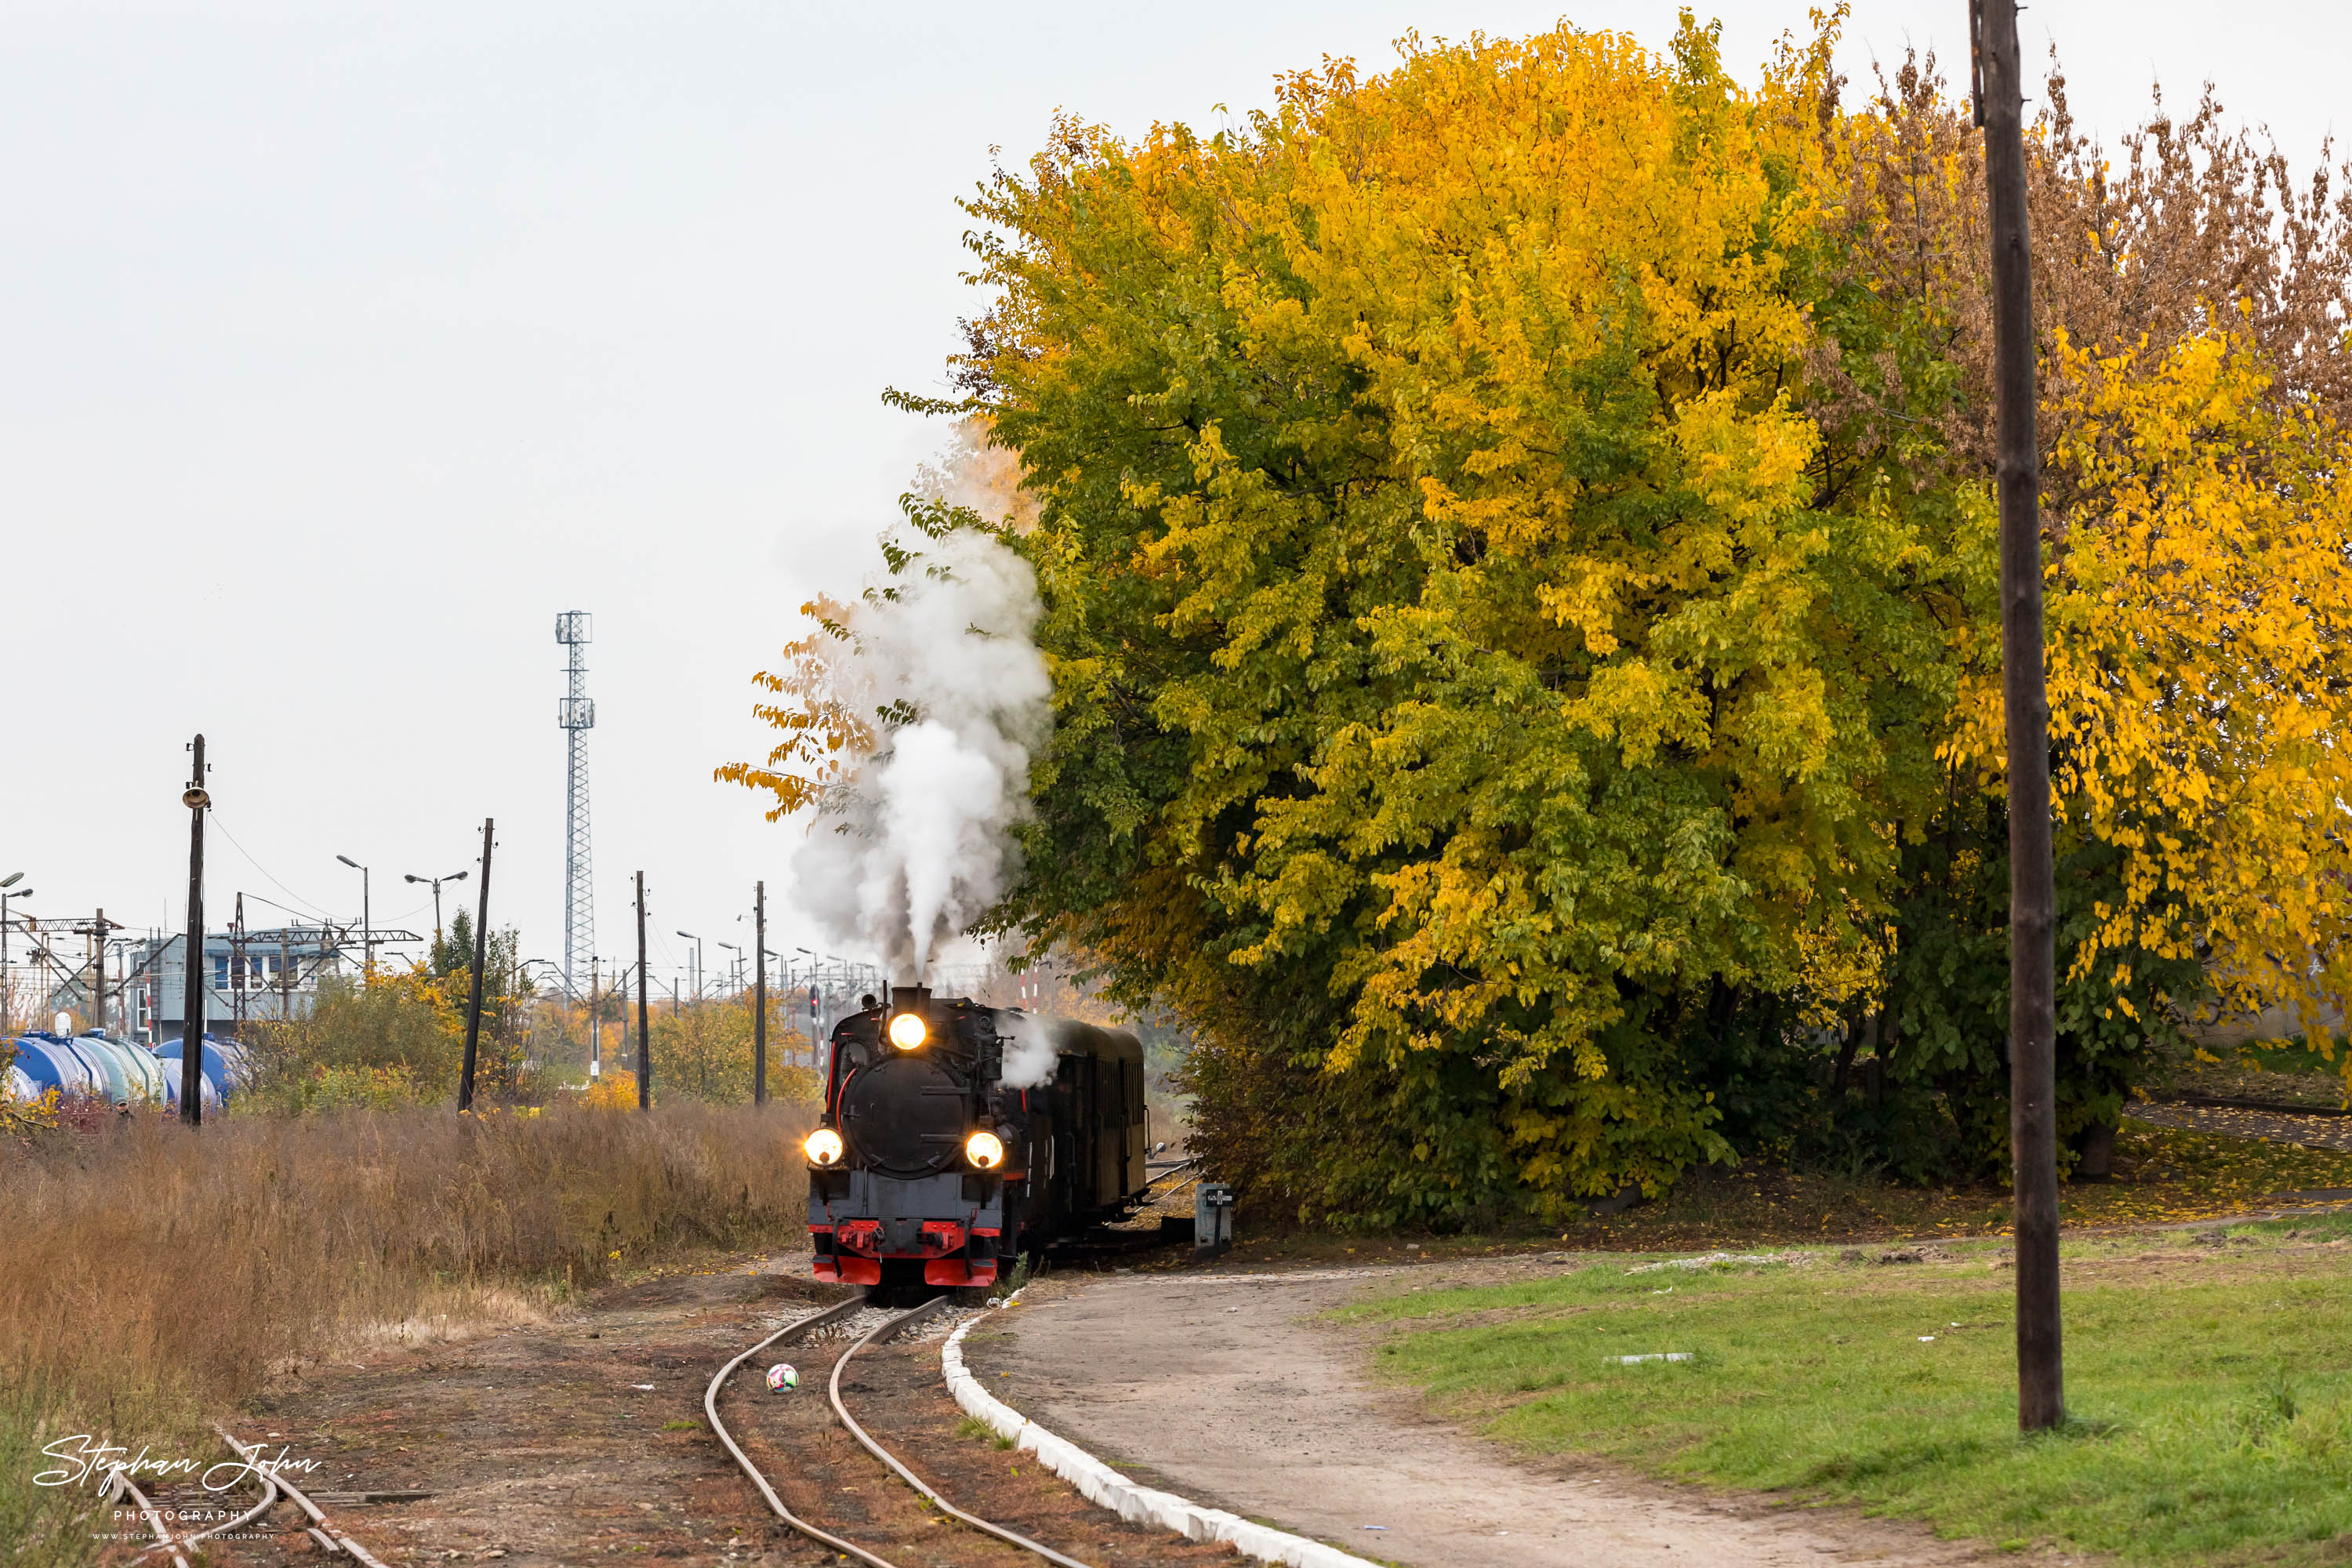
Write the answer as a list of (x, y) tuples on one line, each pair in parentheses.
[(341, 346)]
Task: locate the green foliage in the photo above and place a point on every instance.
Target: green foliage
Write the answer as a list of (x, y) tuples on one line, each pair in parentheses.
[(380, 1041), (1516, 542), (1466, 687), (397, 1037)]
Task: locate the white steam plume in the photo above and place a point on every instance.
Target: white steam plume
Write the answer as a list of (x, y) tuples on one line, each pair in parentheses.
[(1030, 1054), (919, 841)]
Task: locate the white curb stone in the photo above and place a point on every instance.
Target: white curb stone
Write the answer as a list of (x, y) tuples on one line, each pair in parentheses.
[(1099, 1483)]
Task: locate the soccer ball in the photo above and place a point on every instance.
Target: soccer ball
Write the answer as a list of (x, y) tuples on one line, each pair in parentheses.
[(783, 1379)]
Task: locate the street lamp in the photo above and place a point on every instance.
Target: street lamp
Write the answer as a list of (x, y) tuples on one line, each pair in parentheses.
[(697, 962), (737, 951), (437, 881), (367, 919)]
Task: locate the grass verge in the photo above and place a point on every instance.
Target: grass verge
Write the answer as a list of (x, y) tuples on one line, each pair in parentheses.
[(2209, 1376), (154, 1277)]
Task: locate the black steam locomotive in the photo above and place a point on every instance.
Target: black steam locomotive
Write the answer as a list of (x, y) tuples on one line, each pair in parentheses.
[(928, 1170)]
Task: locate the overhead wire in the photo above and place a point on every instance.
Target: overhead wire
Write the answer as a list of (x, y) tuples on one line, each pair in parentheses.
[(314, 909)]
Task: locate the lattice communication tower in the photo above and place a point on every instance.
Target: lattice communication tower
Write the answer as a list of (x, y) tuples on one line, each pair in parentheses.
[(576, 715)]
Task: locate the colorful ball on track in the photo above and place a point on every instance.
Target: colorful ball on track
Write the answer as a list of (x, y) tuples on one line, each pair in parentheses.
[(783, 1379)]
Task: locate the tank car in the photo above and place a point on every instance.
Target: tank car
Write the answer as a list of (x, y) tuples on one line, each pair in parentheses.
[(930, 1168)]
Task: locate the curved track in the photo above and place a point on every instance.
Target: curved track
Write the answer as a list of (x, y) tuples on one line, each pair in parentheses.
[(320, 1529), (273, 1487), (794, 1331)]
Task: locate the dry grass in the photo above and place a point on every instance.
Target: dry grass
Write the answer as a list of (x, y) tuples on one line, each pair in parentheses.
[(154, 1277)]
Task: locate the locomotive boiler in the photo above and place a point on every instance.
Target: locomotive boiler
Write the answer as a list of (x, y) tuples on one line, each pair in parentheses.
[(936, 1162)]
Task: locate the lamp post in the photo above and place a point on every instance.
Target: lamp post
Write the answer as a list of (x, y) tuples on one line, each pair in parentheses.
[(8, 992), (697, 962), (739, 963), (805, 953), (367, 916), (437, 881)]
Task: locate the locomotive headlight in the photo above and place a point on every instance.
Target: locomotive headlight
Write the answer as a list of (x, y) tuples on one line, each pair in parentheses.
[(984, 1150), (907, 1031), (823, 1147)]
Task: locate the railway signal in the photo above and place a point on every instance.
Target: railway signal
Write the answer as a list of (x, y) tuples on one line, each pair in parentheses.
[(2032, 893)]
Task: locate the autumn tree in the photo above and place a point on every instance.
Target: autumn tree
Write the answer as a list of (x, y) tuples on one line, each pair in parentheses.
[(1516, 541), (2191, 311), (1467, 706)]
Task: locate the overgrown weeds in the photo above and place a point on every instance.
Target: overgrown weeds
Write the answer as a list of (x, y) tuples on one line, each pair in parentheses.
[(157, 1275)]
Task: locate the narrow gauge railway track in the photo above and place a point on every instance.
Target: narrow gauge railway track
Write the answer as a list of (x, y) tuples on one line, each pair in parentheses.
[(798, 1330), (273, 1487)]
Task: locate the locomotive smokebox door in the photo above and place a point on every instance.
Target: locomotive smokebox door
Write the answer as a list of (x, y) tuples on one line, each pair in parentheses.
[(1212, 1220)]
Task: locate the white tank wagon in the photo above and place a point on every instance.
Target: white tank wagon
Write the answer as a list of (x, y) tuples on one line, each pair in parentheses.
[(224, 1069), (53, 1063), (117, 1071)]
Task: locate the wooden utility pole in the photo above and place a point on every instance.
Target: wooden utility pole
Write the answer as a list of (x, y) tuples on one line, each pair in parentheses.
[(759, 992), (644, 1050), (2032, 893), (192, 990), (481, 963)]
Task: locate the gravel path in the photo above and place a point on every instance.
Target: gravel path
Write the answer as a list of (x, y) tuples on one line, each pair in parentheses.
[(1231, 1391), (2232, 1121)]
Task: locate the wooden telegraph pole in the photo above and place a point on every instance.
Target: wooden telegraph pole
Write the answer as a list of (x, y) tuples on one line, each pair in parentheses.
[(645, 1051), (2032, 893), (481, 961), (759, 992), (192, 989)]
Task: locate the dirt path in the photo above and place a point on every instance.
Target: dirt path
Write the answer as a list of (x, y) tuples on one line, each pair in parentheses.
[(2314, 1132), (583, 1440), (550, 1443), (1227, 1390)]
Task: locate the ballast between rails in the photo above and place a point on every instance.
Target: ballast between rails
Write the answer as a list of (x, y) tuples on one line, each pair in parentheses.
[(793, 1331), (786, 1335), (907, 1320)]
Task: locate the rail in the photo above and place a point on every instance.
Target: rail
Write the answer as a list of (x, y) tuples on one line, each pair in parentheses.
[(797, 1329), (322, 1530), (786, 1335), (907, 1320)]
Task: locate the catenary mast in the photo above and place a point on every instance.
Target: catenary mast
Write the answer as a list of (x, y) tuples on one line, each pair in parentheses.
[(576, 716)]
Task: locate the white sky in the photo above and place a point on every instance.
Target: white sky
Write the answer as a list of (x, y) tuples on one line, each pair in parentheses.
[(341, 346)]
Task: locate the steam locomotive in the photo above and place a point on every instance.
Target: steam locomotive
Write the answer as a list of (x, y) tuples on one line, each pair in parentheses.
[(930, 1169)]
